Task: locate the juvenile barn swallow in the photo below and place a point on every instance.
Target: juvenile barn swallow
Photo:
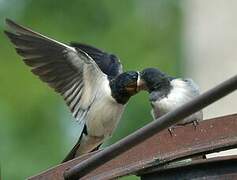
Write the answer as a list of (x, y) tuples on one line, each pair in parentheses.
[(167, 93), (90, 80)]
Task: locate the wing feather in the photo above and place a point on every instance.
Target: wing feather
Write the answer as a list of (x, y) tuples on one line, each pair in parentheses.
[(69, 71), (108, 63)]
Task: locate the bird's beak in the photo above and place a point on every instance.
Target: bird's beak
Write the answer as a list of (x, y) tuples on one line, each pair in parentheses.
[(132, 88), (141, 84)]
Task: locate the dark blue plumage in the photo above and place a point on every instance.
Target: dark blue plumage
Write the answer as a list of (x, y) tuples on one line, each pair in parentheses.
[(108, 63)]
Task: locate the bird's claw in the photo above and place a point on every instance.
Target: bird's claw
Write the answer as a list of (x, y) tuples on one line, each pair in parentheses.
[(171, 131), (195, 124)]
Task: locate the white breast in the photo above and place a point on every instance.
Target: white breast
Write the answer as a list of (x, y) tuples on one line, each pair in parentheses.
[(182, 91), (104, 114)]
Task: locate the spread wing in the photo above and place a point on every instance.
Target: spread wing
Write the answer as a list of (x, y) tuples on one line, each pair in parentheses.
[(108, 63), (69, 71)]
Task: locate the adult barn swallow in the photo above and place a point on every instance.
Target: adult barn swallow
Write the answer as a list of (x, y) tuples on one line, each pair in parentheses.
[(90, 81), (167, 93)]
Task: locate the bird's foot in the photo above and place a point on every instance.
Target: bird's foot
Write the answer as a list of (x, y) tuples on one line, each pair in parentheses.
[(195, 124), (171, 131)]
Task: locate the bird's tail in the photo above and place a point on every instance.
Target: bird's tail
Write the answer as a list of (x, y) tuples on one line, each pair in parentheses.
[(85, 144), (72, 153)]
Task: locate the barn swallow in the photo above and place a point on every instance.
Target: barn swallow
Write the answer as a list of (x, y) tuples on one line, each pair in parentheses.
[(91, 82), (167, 93)]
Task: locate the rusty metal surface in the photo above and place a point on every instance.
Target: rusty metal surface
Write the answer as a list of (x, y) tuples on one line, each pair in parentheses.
[(214, 168), (192, 161), (210, 136)]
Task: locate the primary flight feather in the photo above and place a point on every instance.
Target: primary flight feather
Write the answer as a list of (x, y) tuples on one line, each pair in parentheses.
[(90, 80)]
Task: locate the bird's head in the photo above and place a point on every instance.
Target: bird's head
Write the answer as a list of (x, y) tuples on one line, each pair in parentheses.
[(124, 86), (152, 79)]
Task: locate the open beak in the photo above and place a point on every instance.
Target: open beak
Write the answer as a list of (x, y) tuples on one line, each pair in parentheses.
[(132, 88), (141, 84)]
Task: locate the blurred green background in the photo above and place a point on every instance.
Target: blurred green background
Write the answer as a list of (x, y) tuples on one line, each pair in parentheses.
[(36, 128)]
